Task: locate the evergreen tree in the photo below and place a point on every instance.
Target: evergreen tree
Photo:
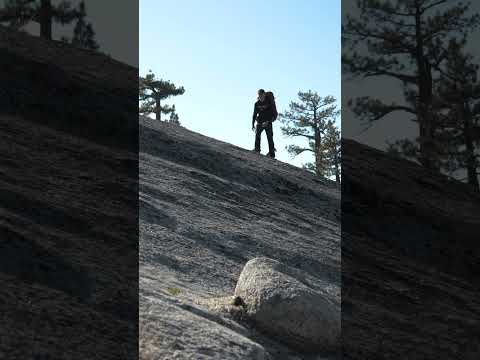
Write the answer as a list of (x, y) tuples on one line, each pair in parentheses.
[(152, 92), (83, 34), (331, 147), (459, 120), (174, 117), (312, 118), (405, 40), (18, 13)]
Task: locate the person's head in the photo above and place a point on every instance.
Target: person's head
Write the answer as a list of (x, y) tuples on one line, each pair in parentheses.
[(261, 95)]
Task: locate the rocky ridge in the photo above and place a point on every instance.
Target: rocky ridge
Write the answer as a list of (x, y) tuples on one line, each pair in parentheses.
[(206, 208)]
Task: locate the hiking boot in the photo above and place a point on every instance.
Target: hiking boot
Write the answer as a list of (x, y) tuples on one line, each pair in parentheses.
[(257, 151), (272, 155)]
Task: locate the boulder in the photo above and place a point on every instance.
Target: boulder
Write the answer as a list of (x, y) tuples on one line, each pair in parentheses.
[(169, 331), (290, 305)]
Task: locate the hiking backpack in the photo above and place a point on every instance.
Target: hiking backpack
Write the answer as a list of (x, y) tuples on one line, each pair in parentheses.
[(271, 98)]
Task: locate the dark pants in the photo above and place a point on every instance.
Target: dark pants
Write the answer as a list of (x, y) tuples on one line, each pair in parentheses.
[(258, 136)]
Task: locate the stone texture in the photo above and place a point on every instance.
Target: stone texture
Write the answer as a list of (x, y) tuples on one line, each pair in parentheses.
[(170, 332), (283, 303), (409, 253), (207, 207)]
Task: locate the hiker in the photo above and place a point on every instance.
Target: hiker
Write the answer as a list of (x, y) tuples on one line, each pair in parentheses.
[(264, 113)]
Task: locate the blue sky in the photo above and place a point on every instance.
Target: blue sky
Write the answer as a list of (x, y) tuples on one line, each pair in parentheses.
[(222, 52)]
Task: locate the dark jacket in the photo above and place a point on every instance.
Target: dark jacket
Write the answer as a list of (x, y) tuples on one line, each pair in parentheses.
[(263, 111)]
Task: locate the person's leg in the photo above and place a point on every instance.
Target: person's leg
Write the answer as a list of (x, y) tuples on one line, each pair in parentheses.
[(258, 136), (271, 145)]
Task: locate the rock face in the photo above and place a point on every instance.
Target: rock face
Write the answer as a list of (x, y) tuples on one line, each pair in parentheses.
[(68, 233), (78, 91), (194, 336), (410, 256), (208, 207), (285, 303)]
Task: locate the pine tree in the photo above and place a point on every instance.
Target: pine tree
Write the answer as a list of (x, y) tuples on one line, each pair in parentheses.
[(83, 34), (459, 120), (18, 13), (152, 92), (331, 147), (312, 118), (405, 40), (174, 117), (330, 154)]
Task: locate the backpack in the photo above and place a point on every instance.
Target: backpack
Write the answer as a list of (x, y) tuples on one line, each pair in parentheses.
[(271, 98)]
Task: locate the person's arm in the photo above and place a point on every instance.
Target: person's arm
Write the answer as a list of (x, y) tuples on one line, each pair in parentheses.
[(255, 113)]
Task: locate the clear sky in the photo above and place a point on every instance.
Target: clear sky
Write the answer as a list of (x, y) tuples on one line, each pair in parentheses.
[(223, 51)]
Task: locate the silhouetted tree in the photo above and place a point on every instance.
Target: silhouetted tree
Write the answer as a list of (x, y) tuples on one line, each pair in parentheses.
[(331, 146), (459, 120), (152, 92), (406, 40), (83, 34), (313, 118), (18, 13), (174, 117)]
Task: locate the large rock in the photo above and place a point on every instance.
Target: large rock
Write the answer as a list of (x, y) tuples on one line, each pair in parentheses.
[(290, 305), (168, 331)]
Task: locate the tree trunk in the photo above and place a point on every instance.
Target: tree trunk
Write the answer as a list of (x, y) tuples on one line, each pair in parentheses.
[(158, 114), (424, 110), (46, 19), (318, 163), (318, 155), (337, 167), (471, 162)]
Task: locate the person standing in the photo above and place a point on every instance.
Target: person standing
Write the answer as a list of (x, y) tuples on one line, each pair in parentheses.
[(264, 113)]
